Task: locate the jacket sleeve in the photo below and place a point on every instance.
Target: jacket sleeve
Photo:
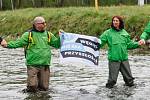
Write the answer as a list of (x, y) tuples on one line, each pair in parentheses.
[(145, 35), (19, 42), (55, 42), (103, 39), (131, 44), (147, 28)]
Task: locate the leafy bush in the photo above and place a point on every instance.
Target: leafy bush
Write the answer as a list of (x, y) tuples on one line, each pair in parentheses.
[(82, 20)]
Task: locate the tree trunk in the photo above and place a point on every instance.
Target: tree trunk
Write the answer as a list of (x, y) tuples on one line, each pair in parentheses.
[(61, 3), (1, 1), (12, 5), (96, 5), (42, 3), (57, 3), (33, 3), (140, 2), (146, 2), (19, 3)]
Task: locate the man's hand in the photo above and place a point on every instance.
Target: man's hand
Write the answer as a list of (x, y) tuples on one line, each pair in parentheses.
[(60, 31)]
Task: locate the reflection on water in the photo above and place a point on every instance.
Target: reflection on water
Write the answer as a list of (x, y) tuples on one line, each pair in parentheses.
[(72, 82)]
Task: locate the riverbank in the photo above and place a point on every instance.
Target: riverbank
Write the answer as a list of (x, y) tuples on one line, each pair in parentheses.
[(81, 20)]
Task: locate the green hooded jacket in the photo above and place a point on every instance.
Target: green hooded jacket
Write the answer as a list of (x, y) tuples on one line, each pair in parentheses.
[(118, 42), (146, 34), (39, 51)]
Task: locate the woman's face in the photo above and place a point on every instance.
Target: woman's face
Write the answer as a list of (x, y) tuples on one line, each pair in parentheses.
[(116, 23)]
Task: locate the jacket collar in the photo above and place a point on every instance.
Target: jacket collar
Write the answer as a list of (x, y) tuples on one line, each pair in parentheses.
[(116, 29)]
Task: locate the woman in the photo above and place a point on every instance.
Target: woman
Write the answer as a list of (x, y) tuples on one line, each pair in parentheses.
[(118, 41)]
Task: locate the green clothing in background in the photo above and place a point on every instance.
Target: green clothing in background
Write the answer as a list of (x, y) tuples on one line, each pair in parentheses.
[(39, 51), (118, 42), (146, 34)]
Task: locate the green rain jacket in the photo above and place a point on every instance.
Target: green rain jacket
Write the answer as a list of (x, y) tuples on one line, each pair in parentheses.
[(146, 34), (118, 42), (39, 51)]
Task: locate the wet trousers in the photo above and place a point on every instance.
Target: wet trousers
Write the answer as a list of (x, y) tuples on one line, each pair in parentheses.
[(124, 68), (38, 78)]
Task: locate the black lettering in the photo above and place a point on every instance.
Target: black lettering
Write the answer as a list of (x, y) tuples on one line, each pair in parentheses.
[(88, 43), (79, 54)]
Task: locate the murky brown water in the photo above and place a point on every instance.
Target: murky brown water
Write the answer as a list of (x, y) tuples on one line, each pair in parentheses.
[(72, 82)]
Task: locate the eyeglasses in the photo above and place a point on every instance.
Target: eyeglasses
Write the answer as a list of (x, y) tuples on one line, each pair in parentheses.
[(41, 23)]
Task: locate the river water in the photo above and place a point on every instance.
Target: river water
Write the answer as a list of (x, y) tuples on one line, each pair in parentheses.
[(72, 82)]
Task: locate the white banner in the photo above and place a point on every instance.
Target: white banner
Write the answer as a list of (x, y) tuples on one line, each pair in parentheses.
[(77, 49)]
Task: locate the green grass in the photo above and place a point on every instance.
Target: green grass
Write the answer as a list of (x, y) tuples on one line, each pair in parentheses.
[(82, 20)]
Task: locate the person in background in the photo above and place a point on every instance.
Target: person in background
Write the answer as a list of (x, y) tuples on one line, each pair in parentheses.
[(118, 41), (2, 41), (37, 43), (145, 35)]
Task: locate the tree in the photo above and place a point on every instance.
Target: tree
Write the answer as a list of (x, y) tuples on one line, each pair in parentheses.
[(61, 3), (17, 4), (1, 1), (96, 5), (42, 3), (140, 2), (33, 3), (12, 5)]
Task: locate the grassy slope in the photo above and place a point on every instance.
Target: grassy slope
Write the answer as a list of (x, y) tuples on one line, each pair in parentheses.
[(82, 20)]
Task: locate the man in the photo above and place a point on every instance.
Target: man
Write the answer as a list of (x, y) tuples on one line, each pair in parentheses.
[(37, 53)]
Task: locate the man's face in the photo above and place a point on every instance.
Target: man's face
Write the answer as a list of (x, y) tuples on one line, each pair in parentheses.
[(40, 26)]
